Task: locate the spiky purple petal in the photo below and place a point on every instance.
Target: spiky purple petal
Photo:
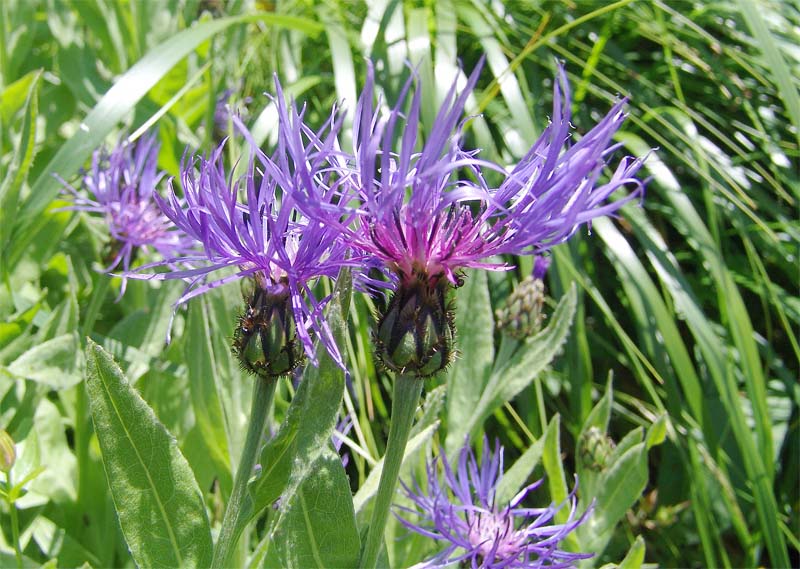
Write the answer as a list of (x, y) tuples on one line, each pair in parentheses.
[(460, 510)]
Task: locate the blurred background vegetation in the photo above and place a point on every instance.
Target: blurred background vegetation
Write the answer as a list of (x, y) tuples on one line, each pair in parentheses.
[(690, 302)]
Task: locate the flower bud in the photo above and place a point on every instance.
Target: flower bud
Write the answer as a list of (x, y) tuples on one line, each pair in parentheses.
[(522, 315), (416, 332), (265, 340), (595, 448), (8, 452)]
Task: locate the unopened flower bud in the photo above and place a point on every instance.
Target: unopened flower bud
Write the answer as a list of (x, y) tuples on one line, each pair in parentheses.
[(265, 341), (522, 315), (8, 452), (416, 332), (595, 448)]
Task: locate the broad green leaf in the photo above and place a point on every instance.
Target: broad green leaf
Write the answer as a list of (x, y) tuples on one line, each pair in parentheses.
[(120, 99), (289, 457), (469, 374), (319, 527), (160, 507), (53, 363)]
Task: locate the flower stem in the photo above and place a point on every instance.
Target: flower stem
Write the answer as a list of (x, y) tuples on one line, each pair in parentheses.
[(407, 389), (263, 390), (12, 509)]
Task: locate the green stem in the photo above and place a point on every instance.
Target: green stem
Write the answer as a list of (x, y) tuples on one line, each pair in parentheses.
[(263, 390), (12, 509), (407, 389)]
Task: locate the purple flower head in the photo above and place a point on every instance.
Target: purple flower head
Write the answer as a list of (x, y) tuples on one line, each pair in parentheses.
[(250, 229), (424, 210), (122, 184), (461, 511), (427, 209)]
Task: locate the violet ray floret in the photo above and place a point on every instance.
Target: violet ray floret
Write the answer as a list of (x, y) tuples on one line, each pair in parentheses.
[(250, 228), (460, 510), (122, 187)]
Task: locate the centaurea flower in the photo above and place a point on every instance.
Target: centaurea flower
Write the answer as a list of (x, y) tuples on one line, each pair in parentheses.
[(426, 211), (461, 510), (250, 229), (122, 185)]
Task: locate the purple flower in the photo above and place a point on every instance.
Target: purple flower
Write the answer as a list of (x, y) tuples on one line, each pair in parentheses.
[(425, 211), (123, 185), (250, 229), (430, 212), (462, 512)]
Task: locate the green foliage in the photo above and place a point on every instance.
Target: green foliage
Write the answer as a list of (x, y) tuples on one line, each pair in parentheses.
[(690, 300), (159, 505)]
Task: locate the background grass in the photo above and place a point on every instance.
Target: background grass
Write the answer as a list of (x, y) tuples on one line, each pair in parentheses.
[(690, 301)]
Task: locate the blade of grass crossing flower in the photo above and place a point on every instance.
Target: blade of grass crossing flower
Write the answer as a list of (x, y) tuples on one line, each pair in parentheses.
[(160, 507), (517, 476), (123, 96), (419, 53)]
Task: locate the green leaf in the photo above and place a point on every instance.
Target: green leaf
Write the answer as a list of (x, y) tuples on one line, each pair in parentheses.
[(517, 476), (657, 432), (203, 378), (618, 488), (515, 374), (120, 99), (319, 527), (160, 507), (17, 172), (635, 556), (469, 374), (53, 363)]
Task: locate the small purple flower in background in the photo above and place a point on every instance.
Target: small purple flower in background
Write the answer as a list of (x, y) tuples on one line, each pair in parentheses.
[(462, 511), (122, 185), (425, 211), (250, 230)]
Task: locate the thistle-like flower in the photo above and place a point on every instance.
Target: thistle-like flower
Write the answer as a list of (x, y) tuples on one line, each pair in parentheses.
[(461, 511), (122, 185), (425, 210), (250, 230)]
